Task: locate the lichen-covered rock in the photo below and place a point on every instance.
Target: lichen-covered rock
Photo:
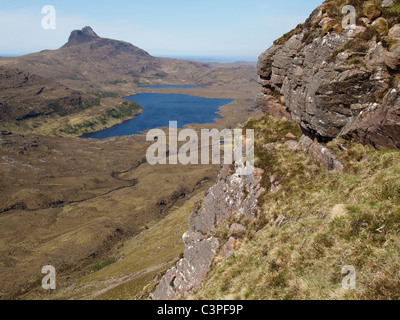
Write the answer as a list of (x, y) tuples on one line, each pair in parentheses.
[(387, 3), (322, 154), (231, 195), (379, 126), (237, 228), (228, 248), (189, 271), (333, 81)]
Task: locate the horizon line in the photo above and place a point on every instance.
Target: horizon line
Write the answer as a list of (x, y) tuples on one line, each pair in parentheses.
[(174, 56)]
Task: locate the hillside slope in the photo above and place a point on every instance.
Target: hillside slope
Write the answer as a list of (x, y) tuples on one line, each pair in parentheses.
[(317, 203), (30, 103), (310, 224), (24, 95), (77, 204), (87, 62), (77, 88)]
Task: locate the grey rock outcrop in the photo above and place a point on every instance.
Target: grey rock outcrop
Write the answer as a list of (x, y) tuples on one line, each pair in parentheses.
[(228, 248), (332, 91), (231, 195), (387, 3), (237, 228), (189, 271), (322, 154), (78, 37), (379, 126)]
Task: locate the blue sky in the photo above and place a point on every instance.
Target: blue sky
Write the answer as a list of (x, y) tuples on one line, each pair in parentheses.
[(225, 28)]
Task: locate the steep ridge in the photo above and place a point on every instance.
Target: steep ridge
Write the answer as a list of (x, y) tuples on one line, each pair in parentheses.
[(231, 195), (339, 82)]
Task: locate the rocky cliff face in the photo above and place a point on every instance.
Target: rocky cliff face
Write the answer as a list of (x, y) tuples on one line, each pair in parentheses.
[(78, 37), (231, 196), (337, 82)]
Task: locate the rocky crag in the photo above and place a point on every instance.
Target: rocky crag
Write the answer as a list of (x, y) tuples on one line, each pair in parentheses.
[(338, 82), (231, 196)]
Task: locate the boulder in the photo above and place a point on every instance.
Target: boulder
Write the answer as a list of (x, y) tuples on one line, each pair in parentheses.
[(323, 155), (237, 228), (292, 144), (228, 248), (395, 31), (387, 3)]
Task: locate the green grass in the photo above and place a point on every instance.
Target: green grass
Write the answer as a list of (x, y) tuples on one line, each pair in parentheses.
[(103, 264), (333, 220), (117, 82), (105, 94), (124, 111)]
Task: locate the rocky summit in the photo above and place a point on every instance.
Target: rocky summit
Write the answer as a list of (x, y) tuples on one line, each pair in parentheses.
[(338, 82), (78, 37), (87, 38)]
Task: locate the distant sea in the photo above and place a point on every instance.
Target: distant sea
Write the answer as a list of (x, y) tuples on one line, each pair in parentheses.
[(191, 58), (216, 59), (9, 55)]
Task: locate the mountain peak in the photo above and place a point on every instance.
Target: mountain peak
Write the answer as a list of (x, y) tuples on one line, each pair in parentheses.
[(89, 31), (81, 36)]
